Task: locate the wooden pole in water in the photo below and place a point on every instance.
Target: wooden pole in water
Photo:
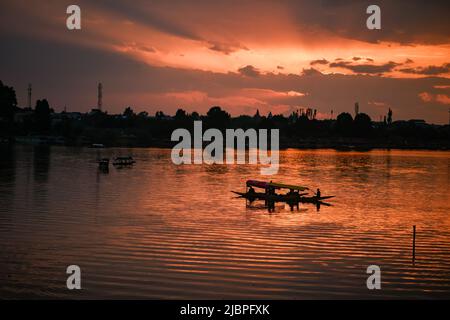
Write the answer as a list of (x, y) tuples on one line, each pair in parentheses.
[(414, 245)]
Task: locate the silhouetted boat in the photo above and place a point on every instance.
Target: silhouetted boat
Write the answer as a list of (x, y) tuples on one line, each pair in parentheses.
[(124, 161), (103, 162), (97, 145), (292, 197), (300, 197)]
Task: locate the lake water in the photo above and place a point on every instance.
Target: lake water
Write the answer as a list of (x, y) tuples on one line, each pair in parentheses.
[(163, 231)]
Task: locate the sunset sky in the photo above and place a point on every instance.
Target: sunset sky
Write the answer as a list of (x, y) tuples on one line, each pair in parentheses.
[(273, 56)]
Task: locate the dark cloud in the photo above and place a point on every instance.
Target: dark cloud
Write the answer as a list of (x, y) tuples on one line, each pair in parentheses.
[(225, 48), (365, 68), (148, 15), (429, 70), (311, 72), (249, 71), (280, 67), (214, 22), (319, 61), (402, 21), (356, 58)]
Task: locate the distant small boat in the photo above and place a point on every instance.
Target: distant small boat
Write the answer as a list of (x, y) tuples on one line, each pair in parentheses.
[(97, 145), (103, 161), (124, 161), (103, 164)]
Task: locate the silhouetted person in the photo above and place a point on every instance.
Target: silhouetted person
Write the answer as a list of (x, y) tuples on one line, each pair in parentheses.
[(251, 191), (271, 206), (318, 193)]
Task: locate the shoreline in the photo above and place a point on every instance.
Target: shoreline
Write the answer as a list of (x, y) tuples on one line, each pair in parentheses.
[(303, 145)]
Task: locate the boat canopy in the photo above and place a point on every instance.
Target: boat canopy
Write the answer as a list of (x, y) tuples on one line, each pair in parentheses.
[(258, 184), (265, 185), (286, 186)]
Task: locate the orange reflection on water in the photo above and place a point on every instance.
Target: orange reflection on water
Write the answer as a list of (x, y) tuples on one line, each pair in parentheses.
[(163, 231)]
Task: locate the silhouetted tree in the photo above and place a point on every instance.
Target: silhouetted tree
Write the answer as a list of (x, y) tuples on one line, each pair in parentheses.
[(42, 112), (180, 114), (362, 125), (344, 124), (195, 115), (302, 124), (182, 119), (159, 115), (217, 118), (128, 113), (8, 101)]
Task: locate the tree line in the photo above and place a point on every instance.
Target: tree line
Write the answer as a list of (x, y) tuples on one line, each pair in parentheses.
[(132, 128)]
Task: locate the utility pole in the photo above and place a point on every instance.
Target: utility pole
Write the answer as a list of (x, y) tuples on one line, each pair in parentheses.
[(100, 96), (29, 95)]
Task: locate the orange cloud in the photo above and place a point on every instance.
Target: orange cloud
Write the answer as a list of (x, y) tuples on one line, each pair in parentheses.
[(215, 36), (439, 98), (176, 53)]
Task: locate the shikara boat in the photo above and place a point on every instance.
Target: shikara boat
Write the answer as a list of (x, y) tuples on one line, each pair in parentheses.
[(293, 196), (300, 197), (124, 161)]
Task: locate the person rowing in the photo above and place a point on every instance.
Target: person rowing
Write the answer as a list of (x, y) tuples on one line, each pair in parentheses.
[(292, 192)]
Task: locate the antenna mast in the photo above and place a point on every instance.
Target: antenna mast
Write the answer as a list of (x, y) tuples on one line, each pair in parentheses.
[(100, 95), (29, 95)]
